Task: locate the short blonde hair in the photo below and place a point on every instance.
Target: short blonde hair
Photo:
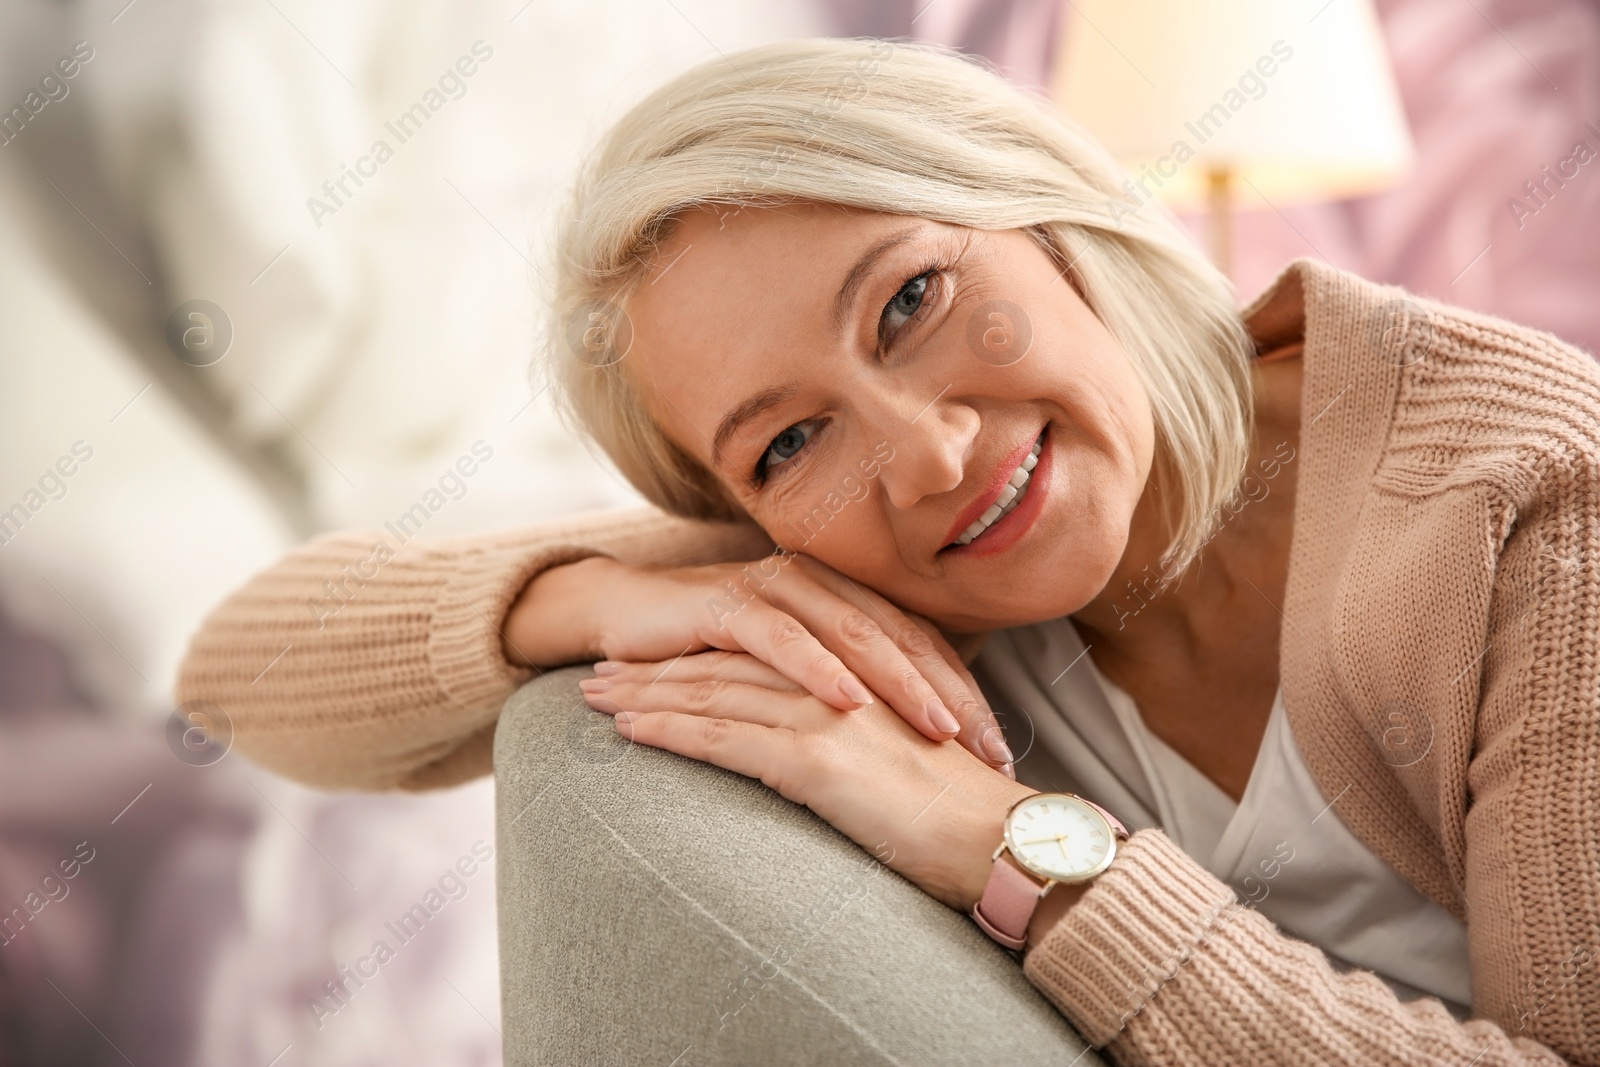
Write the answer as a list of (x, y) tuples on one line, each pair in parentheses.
[(909, 129)]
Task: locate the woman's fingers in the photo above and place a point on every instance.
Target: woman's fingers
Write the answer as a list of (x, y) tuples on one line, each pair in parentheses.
[(777, 638), (933, 658), (912, 668), (980, 730), (879, 660), (718, 665), (747, 728), (741, 747), (707, 698)]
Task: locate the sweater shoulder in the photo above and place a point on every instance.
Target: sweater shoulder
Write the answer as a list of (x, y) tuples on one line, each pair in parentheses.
[(1485, 401)]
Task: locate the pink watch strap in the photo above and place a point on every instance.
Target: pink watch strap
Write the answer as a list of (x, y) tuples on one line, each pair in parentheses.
[(1117, 828), (1008, 901), (1011, 895)]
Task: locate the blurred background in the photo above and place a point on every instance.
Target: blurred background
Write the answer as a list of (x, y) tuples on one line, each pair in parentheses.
[(231, 345)]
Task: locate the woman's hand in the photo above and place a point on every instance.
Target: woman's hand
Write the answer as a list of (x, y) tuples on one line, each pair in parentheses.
[(939, 811), (812, 625)]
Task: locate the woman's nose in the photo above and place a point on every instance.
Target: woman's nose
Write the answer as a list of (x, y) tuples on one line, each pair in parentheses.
[(930, 453)]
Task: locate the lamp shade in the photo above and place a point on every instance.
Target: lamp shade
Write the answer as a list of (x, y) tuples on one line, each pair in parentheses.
[(1297, 99)]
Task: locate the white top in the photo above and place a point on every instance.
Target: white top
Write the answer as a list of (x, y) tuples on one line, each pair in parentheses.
[(1282, 847)]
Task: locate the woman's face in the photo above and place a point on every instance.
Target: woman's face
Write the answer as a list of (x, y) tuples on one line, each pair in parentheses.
[(866, 385)]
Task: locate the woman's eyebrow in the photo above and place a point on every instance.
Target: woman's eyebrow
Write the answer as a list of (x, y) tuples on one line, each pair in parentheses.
[(769, 397), (858, 274)]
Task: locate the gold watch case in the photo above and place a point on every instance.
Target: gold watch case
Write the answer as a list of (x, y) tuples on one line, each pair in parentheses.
[(1059, 837)]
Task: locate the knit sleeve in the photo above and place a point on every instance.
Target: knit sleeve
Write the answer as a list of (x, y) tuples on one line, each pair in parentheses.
[(353, 663), (1161, 964)]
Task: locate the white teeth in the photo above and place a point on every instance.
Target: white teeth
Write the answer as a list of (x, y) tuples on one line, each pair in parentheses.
[(1010, 494)]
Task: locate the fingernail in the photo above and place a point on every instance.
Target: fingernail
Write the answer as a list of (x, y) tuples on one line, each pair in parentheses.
[(594, 685), (1010, 771), (851, 687), (600, 703), (941, 717), (607, 666), (996, 746), (626, 717)]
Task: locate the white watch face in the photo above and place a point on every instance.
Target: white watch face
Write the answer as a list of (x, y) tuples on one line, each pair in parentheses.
[(1060, 837)]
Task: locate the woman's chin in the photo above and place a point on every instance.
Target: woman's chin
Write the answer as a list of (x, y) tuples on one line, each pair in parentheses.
[(1034, 594), (980, 615)]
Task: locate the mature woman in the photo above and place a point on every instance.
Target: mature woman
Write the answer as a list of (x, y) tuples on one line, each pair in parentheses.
[(1307, 597)]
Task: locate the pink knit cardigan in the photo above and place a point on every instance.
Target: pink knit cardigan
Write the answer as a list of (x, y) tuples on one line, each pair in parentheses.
[(1440, 668)]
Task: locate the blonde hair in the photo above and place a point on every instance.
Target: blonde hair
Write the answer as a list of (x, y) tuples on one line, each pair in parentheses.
[(909, 129)]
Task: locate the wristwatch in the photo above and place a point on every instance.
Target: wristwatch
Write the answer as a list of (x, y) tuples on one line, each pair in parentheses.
[(1060, 837)]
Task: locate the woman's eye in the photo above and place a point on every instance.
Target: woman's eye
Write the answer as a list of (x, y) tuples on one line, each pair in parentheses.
[(784, 447), (907, 302)]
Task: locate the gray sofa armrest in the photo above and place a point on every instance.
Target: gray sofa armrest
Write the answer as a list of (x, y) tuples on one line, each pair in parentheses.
[(661, 911)]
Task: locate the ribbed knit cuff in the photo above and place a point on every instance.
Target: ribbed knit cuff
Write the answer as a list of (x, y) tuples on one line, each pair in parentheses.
[(1134, 928), (476, 591)]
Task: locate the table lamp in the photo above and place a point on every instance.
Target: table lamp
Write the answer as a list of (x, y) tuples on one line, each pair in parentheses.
[(1294, 100)]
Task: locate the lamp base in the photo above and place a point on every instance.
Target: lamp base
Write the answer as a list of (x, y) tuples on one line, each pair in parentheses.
[(1219, 209)]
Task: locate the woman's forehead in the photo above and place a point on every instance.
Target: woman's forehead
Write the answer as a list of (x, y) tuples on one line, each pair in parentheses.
[(738, 272), (781, 235)]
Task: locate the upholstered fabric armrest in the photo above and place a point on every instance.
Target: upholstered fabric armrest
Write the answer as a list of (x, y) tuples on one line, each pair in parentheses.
[(651, 904)]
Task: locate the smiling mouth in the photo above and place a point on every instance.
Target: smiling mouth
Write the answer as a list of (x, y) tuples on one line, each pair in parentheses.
[(1006, 502)]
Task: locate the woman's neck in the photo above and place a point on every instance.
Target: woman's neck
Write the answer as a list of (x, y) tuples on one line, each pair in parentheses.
[(1200, 655), (1140, 606)]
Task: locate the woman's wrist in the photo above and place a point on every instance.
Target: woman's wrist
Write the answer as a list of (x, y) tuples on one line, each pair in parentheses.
[(554, 620), (974, 855), (1052, 907)]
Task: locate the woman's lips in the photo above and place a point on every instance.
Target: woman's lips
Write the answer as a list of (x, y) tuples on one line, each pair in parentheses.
[(997, 481), (1010, 528)]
